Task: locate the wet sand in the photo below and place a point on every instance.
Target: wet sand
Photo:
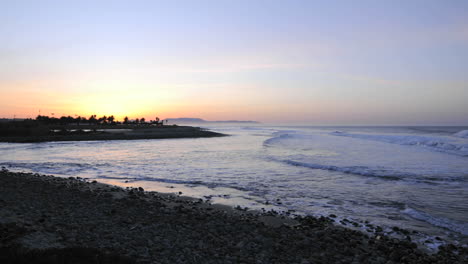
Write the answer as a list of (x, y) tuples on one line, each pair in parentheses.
[(61, 220)]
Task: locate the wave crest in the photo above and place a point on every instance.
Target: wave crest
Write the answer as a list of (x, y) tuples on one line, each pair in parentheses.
[(461, 134), (437, 221), (441, 144)]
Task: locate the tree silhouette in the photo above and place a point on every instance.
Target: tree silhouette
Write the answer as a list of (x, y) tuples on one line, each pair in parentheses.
[(92, 119), (102, 120), (63, 120), (111, 119)]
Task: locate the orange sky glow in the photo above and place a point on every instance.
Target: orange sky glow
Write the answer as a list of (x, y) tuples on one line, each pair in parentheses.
[(375, 63)]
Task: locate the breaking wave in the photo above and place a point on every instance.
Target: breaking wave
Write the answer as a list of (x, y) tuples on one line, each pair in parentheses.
[(437, 221), (438, 143), (461, 134), (357, 170), (343, 154), (380, 172)]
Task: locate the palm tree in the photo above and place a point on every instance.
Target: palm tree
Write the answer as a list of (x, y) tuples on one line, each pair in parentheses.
[(92, 119), (125, 120), (111, 119), (142, 120), (63, 120)]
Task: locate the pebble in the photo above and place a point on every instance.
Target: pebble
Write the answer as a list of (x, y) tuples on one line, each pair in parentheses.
[(168, 230)]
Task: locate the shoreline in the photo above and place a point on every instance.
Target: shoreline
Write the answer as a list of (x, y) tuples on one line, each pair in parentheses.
[(166, 132), (40, 214)]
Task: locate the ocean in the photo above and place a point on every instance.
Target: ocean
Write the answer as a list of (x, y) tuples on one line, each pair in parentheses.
[(410, 177)]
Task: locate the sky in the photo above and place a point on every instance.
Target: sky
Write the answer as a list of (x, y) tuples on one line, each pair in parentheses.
[(362, 62)]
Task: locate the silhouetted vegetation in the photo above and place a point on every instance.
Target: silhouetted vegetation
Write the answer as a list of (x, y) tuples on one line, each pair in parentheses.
[(65, 125), (94, 120)]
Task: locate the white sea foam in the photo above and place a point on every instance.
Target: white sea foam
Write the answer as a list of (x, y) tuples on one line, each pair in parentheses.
[(438, 143), (437, 221), (461, 134), (373, 157), (158, 180)]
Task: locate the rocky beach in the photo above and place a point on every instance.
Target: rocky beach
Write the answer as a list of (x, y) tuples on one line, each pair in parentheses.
[(47, 219)]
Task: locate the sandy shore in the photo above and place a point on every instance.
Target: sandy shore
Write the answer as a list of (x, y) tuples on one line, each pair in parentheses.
[(46, 219), (120, 134)]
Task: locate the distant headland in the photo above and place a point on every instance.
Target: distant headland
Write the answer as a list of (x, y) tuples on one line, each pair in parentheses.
[(199, 120)]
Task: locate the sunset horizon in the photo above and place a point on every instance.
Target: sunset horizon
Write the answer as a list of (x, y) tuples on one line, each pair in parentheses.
[(363, 63), (233, 131)]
